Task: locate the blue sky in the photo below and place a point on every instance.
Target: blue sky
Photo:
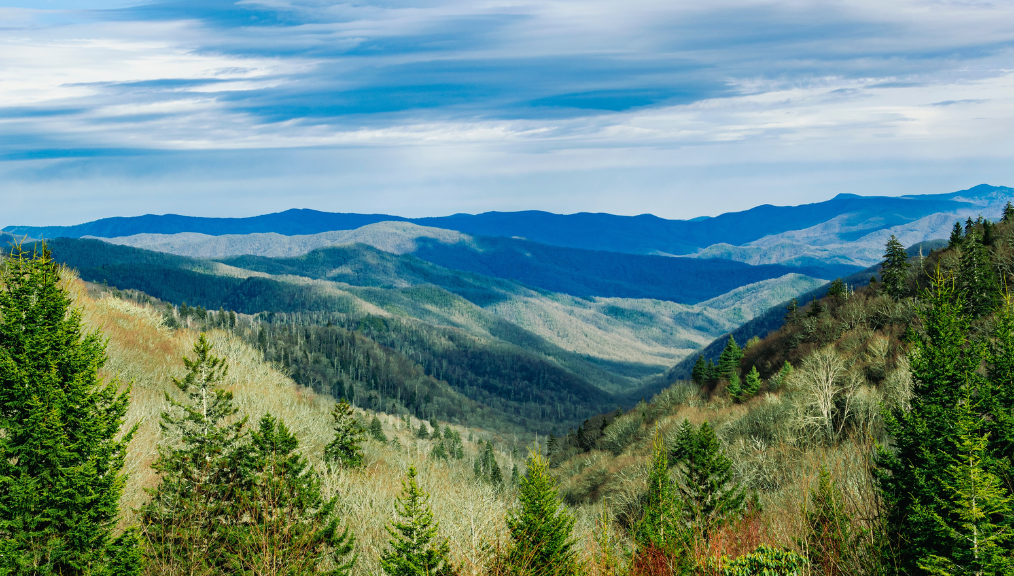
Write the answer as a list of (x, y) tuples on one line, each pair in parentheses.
[(431, 107)]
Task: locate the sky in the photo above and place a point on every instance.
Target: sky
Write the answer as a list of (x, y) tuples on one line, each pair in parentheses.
[(434, 107)]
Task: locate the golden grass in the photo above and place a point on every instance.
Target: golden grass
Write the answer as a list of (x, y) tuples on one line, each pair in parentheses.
[(143, 352)]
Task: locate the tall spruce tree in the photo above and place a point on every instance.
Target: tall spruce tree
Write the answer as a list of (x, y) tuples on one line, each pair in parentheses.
[(699, 372), (894, 271), (202, 467), (752, 383), (661, 526), (280, 523), (957, 236), (61, 449), (944, 361), (1008, 212), (975, 506), (414, 549), (977, 279), (540, 527), (711, 498), (346, 448), (728, 362)]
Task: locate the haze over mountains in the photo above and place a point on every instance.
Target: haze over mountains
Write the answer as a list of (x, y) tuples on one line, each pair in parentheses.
[(602, 309)]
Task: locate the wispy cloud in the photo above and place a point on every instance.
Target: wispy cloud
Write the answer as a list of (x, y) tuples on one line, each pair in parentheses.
[(427, 107)]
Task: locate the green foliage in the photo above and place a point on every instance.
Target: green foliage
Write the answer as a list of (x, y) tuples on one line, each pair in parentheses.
[(706, 488), (977, 281), (1008, 212), (957, 236), (752, 383), (661, 526), (728, 362), (486, 469), (829, 541), (837, 289), (767, 561), (699, 374), (413, 549), (61, 449), (377, 430), (927, 438), (973, 509), (345, 449), (422, 433), (281, 523), (201, 469), (126, 554), (540, 527), (779, 379)]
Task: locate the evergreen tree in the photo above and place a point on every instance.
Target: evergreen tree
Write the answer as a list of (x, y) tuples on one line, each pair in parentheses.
[(894, 269), (791, 311), (969, 520), (976, 278), (837, 289), (728, 362), (423, 433), (281, 523), (486, 467), (1008, 212), (957, 236), (345, 449), (660, 527), (816, 308), (734, 389), (540, 527), (377, 430), (61, 453), (699, 373), (439, 452), (969, 227), (752, 383), (712, 372), (779, 379), (201, 469), (710, 496), (829, 541), (944, 361), (413, 549)]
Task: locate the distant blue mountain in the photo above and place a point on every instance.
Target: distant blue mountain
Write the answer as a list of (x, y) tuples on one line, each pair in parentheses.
[(644, 234)]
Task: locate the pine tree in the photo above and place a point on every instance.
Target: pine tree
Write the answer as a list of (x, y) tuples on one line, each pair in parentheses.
[(423, 433), (837, 289), (752, 383), (345, 449), (201, 468), (413, 549), (791, 311), (540, 527), (970, 519), (734, 389), (976, 278), (698, 374), (660, 527), (816, 308), (710, 496), (957, 236), (281, 523), (728, 362), (894, 271), (1008, 212), (944, 361), (61, 453), (486, 467), (829, 541), (377, 430)]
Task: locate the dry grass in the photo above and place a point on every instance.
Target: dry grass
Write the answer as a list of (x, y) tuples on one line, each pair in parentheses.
[(148, 355)]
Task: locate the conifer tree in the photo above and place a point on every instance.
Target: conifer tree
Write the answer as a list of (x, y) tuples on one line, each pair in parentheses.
[(486, 467), (957, 236), (728, 362), (61, 453), (894, 271), (944, 362), (837, 289), (377, 430), (540, 527), (346, 449), (660, 527), (201, 469), (281, 523), (976, 278), (423, 433), (970, 519), (816, 308), (698, 374), (829, 541), (752, 383), (1008, 212), (414, 549), (791, 311), (710, 496)]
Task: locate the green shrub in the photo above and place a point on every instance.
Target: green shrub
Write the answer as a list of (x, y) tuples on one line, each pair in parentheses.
[(766, 561)]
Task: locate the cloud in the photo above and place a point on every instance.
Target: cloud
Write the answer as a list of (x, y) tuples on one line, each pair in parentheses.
[(559, 104)]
